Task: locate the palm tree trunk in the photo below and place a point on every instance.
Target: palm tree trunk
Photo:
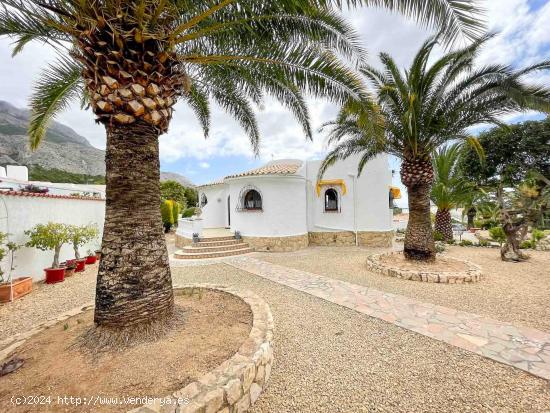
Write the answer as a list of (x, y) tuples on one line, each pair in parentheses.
[(134, 285), (471, 215), (419, 240), (443, 224)]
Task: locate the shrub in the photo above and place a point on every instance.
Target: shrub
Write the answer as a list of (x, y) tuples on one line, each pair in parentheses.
[(173, 190), (440, 246), (6, 248), (176, 213), (188, 213), (526, 244), (167, 213), (466, 243), (536, 236), (484, 243), (497, 234), (451, 241), (50, 236), (438, 236)]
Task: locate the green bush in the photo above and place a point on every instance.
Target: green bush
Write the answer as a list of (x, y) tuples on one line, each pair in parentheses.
[(167, 213), (484, 243), (536, 236), (451, 242), (526, 244), (497, 234), (175, 213), (438, 236), (80, 235), (440, 246), (188, 213), (465, 243)]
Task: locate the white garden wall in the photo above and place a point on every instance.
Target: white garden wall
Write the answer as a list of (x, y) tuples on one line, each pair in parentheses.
[(20, 213)]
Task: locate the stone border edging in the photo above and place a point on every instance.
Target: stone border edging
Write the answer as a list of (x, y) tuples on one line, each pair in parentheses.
[(233, 386), (470, 275)]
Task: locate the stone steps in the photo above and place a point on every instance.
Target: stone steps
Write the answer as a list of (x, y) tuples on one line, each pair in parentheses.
[(200, 247), (224, 238), (209, 243), (189, 254)]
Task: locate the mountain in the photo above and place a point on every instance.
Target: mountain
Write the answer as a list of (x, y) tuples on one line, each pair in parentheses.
[(171, 176), (62, 149)]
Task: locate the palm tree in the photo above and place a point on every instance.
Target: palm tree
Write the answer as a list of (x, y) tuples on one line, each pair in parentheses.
[(130, 61), (449, 190), (416, 112)]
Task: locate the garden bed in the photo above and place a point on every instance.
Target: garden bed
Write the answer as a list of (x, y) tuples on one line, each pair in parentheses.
[(443, 270), (54, 367)]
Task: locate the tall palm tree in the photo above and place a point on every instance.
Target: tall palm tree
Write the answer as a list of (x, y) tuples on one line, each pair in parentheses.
[(417, 111), (450, 189), (130, 61)]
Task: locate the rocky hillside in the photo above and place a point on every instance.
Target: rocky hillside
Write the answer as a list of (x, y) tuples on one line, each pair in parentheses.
[(63, 148)]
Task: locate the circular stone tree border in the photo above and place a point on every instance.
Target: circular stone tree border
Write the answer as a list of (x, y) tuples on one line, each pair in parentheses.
[(233, 386), (471, 274)]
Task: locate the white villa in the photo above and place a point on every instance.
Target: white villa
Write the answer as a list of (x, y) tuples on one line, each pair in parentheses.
[(281, 206)]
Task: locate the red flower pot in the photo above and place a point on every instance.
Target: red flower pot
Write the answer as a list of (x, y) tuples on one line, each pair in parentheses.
[(80, 265), (54, 275), (91, 259)]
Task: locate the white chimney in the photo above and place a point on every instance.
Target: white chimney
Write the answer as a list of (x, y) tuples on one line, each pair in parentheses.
[(21, 173)]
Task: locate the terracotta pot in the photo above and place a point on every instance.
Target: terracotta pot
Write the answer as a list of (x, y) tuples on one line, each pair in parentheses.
[(69, 272), (91, 259), (80, 265), (54, 275), (19, 287)]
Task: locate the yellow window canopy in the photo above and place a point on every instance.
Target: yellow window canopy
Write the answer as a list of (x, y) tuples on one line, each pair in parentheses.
[(332, 182), (396, 192)]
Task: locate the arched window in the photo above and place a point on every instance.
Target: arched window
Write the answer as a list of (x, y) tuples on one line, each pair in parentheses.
[(204, 200), (331, 200), (252, 200)]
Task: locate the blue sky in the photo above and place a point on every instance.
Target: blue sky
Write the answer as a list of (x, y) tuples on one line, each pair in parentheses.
[(524, 39)]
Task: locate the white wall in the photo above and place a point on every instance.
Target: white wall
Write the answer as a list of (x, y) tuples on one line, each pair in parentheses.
[(3, 172), (20, 213), (371, 190), (283, 202), (17, 172), (215, 211)]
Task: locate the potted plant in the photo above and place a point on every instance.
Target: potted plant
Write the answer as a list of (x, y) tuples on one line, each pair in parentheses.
[(50, 236), (91, 258), (78, 236), (11, 289), (70, 268)]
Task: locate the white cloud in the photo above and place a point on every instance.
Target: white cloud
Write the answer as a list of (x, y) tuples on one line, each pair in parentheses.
[(204, 165), (524, 35)]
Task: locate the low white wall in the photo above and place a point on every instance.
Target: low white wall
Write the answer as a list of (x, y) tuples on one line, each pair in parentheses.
[(214, 213), (283, 203), (21, 213), (189, 226)]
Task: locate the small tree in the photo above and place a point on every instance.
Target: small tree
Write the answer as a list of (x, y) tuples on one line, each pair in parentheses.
[(80, 235), (47, 237), (167, 212), (175, 191), (6, 248), (497, 234)]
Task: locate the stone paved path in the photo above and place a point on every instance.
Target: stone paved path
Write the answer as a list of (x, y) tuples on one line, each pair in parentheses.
[(522, 347)]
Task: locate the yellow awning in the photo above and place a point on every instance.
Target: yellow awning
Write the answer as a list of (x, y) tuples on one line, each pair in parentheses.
[(396, 192), (339, 182)]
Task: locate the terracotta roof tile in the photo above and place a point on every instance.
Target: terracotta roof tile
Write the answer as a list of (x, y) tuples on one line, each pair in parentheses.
[(38, 195), (282, 168)]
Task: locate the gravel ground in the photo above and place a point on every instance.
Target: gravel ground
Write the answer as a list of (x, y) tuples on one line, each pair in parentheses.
[(47, 301), (514, 292), (332, 359)]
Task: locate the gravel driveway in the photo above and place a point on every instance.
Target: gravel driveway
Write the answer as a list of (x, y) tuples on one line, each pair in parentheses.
[(514, 292), (332, 359)]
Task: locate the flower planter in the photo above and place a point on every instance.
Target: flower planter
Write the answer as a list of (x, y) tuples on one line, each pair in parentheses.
[(80, 265), (91, 259), (54, 275), (19, 287)]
